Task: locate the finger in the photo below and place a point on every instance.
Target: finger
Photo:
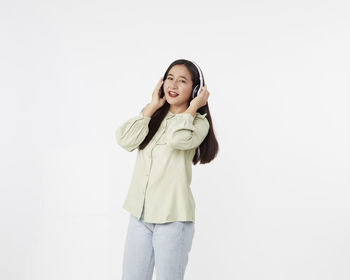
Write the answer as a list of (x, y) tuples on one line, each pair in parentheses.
[(160, 82)]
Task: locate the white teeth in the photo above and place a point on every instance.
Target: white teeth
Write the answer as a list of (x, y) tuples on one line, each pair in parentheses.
[(173, 94)]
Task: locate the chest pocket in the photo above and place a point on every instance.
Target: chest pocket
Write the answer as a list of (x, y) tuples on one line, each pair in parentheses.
[(160, 147)]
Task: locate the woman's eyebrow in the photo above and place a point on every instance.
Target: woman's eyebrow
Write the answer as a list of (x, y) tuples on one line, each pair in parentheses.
[(180, 76)]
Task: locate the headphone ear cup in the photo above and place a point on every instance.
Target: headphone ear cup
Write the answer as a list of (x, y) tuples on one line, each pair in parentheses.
[(195, 91), (162, 93)]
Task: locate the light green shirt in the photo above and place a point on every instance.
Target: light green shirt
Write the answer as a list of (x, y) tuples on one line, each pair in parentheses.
[(163, 169)]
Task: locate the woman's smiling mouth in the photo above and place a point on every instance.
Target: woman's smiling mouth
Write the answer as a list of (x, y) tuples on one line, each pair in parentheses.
[(173, 94)]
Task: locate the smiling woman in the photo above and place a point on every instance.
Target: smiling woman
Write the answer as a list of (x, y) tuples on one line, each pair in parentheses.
[(179, 82), (172, 133)]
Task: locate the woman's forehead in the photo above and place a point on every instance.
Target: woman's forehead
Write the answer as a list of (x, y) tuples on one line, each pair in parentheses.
[(180, 70)]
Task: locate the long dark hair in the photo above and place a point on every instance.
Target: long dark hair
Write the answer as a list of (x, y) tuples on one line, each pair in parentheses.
[(209, 148)]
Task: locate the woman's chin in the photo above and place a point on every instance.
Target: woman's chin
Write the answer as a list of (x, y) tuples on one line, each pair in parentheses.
[(171, 100)]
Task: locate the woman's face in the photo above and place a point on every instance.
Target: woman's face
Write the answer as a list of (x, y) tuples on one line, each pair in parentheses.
[(178, 81)]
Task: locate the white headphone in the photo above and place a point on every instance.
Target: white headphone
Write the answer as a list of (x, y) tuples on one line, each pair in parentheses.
[(198, 87)]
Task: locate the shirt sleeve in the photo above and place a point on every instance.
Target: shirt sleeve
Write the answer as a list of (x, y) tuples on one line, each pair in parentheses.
[(131, 134), (188, 132)]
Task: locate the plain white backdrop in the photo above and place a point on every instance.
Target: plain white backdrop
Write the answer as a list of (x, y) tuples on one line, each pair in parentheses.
[(274, 204)]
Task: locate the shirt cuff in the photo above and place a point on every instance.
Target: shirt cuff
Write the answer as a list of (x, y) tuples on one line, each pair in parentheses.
[(189, 117), (142, 115)]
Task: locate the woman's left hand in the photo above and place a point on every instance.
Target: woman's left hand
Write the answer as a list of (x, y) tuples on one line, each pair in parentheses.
[(201, 99)]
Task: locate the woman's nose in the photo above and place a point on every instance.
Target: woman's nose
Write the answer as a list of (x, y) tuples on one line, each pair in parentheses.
[(174, 84)]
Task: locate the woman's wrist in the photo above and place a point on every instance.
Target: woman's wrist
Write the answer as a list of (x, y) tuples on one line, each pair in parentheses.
[(192, 109), (149, 110)]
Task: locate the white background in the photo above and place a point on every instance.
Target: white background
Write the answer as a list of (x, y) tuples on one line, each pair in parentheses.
[(274, 204)]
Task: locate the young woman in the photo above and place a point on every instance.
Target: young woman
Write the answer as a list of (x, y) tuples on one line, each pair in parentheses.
[(171, 133)]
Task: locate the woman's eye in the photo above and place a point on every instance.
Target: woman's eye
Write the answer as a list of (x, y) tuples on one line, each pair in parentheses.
[(170, 78)]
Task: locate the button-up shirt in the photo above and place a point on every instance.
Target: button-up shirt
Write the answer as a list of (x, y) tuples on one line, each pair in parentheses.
[(163, 169)]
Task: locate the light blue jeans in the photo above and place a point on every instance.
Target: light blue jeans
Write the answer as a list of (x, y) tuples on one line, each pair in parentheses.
[(165, 246)]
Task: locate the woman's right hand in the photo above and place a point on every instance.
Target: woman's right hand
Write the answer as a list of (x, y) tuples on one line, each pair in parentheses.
[(158, 102)]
